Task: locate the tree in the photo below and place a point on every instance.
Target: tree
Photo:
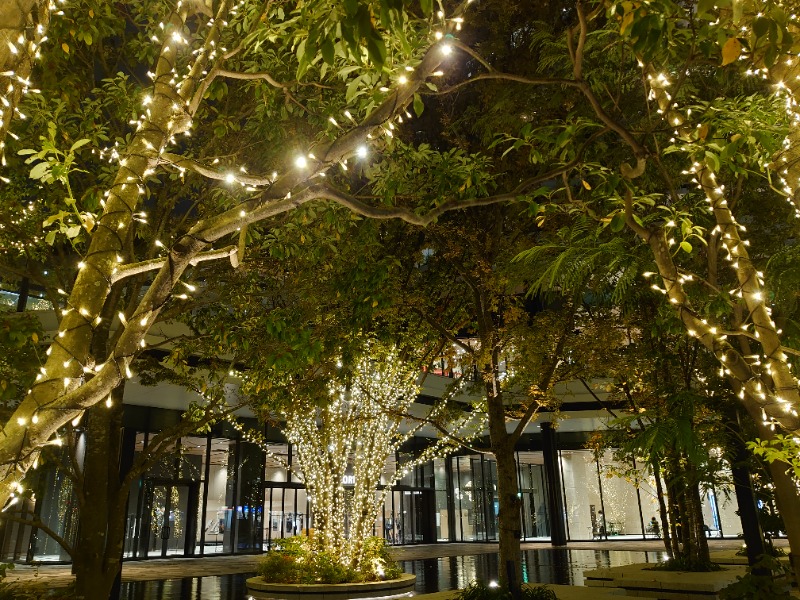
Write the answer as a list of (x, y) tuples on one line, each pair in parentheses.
[(260, 43), (467, 289), (633, 107), (676, 426), (100, 480), (24, 25), (670, 85), (364, 421)]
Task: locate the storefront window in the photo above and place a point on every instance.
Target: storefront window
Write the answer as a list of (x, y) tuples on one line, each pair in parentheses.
[(620, 498), (58, 510), (648, 495), (720, 510), (443, 525), (277, 462), (217, 515), (463, 494), (248, 499), (582, 495), (535, 520)]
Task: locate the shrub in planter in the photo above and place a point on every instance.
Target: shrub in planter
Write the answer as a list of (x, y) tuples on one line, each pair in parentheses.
[(759, 587), (297, 560), (477, 590)]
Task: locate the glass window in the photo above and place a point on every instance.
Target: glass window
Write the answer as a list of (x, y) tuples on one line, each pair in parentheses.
[(470, 504), (648, 494), (620, 499), (582, 495), (249, 498), (218, 516), (535, 520), (58, 509), (721, 501), (277, 461), (193, 458), (443, 525)]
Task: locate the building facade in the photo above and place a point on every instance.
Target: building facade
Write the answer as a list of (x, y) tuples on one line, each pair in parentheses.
[(219, 494)]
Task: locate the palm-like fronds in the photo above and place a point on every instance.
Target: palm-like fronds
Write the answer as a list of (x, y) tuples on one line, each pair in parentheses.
[(579, 260)]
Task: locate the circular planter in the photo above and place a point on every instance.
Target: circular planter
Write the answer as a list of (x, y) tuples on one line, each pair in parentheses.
[(258, 589)]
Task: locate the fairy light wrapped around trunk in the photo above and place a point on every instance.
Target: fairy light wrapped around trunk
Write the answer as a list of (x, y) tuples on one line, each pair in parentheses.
[(355, 434)]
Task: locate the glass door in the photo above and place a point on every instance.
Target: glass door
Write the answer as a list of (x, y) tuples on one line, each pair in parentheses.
[(169, 519)]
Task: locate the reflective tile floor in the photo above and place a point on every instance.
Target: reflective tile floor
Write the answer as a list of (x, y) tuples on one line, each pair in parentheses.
[(433, 574)]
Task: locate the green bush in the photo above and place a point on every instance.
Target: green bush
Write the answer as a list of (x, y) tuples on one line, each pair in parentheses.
[(277, 567), (297, 560), (759, 587), (29, 591), (477, 590), (378, 560)]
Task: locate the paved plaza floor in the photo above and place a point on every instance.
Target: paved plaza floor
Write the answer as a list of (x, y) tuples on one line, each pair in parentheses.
[(172, 568)]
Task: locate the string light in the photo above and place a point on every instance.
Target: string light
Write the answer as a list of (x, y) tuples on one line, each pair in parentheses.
[(352, 438), (155, 130)]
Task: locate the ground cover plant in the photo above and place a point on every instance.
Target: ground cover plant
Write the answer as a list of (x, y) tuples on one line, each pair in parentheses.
[(298, 560)]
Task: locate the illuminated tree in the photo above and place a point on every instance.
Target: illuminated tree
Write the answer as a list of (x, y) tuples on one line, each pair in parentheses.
[(355, 82), (23, 25), (351, 435)]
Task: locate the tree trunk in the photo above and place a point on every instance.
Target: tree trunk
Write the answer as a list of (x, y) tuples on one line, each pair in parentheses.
[(786, 493), (674, 519), (507, 489), (510, 525), (662, 511), (702, 554), (98, 547)]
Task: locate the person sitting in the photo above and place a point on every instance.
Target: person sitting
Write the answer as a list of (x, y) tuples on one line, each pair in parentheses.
[(654, 528)]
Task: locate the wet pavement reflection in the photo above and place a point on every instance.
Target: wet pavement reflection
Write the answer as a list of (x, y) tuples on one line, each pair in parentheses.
[(554, 565), (547, 565)]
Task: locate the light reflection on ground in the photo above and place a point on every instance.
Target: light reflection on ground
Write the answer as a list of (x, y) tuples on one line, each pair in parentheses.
[(433, 574)]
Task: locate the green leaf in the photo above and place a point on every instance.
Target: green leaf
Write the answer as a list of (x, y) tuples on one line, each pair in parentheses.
[(328, 52), (78, 144), (50, 237), (618, 222), (704, 7), (686, 247), (39, 170), (426, 6), (352, 90), (770, 55), (376, 49), (51, 219), (760, 27), (350, 7), (714, 160), (419, 106), (73, 232)]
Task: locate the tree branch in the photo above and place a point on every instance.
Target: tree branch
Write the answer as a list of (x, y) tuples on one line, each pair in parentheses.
[(156, 263), (189, 164), (39, 524)]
